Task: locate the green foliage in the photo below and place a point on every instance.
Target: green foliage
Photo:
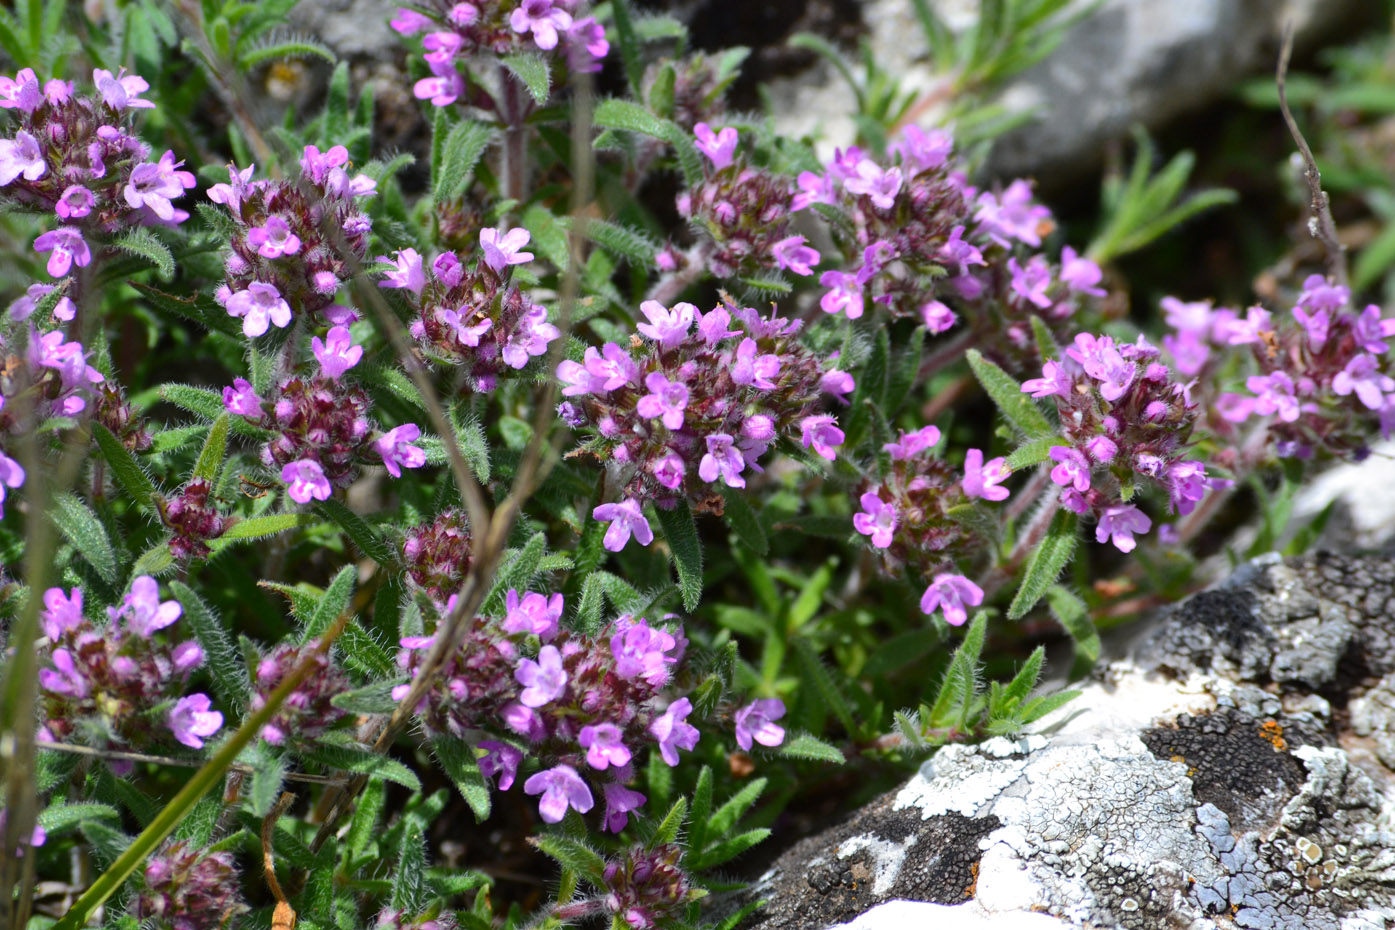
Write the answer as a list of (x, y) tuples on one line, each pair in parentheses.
[(680, 532)]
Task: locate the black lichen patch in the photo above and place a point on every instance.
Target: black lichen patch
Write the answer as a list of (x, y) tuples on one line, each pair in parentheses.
[(1234, 761), (1221, 622)]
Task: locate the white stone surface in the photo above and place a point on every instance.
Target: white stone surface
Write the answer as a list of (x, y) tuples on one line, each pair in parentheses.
[(917, 915)]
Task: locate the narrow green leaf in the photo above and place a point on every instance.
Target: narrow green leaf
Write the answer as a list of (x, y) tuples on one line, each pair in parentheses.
[(810, 598), (1032, 452), (230, 680), (80, 526), (729, 848), (154, 561), (630, 53), (124, 466), (303, 47), (268, 778), (207, 404), (815, 673), (409, 879), (370, 699), (810, 748), (214, 451), (516, 572), (1045, 564), (702, 810), (1072, 613), (735, 808), (336, 600), (363, 826), (532, 72), (960, 684), (67, 816), (268, 525), (624, 241), (1026, 678), (1016, 407), (463, 147), (574, 855), (743, 520), (1046, 343), (667, 830), (368, 540), (461, 765), (1039, 707), (346, 758), (364, 652), (142, 243), (681, 533), (613, 113)]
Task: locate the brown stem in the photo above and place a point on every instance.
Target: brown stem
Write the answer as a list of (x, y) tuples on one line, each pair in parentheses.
[(514, 169)]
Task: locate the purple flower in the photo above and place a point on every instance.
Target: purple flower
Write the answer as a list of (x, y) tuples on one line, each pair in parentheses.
[(534, 613), (1370, 330), (719, 147), (712, 325), (396, 450), (1243, 332), (877, 519), (668, 327), (444, 88), (561, 787), (523, 720), (337, 353), (756, 721), (642, 651), (464, 334), (259, 305), (153, 185), (1055, 381), (838, 383), (306, 479), (502, 249), (813, 188), (625, 517), (672, 732), (1319, 295), (193, 719), (952, 594), (1118, 523), (670, 470), (21, 92), (441, 47), (908, 445), (1102, 449), (21, 156), (1013, 216), (68, 247), (409, 22), (544, 680), (1103, 361), (938, 318), (1274, 394), (142, 609), (845, 296), (121, 91), (1363, 376), (922, 151), (983, 480), (1072, 470), (64, 677), (273, 239), (791, 253), (821, 432), (1080, 274), (500, 759), (61, 614), (871, 181), (619, 802), (756, 370), (544, 21), (11, 476), (530, 339), (722, 458), (75, 202), (1030, 283), (666, 399), (242, 399), (957, 252), (69, 360), (1187, 485), (586, 45), (604, 746), (408, 273)]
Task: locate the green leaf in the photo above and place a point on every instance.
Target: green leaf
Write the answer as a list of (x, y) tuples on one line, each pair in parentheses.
[(142, 243), (207, 404), (810, 748), (729, 849), (67, 816), (460, 152), (214, 451), (1032, 452), (702, 810), (1016, 407), (532, 71), (1374, 260), (409, 879), (614, 113), (345, 758), (268, 778), (743, 520), (107, 842), (1046, 563), (630, 53), (1039, 707), (516, 573), (624, 241), (335, 601), (681, 533), (667, 830), (574, 855), (1073, 615), (370, 699), (735, 808), (230, 680), (124, 466), (364, 652), (461, 764), (815, 673), (957, 690), (154, 561), (363, 826), (301, 47), (368, 540), (474, 445), (268, 525), (80, 526)]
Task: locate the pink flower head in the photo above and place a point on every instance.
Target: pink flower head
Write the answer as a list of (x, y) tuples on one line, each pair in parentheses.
[(241, 399), (719, 147), (502, 249), (396, 450), (756, 370), (121, 91), (544, 680), (259, 305), (909, 445), (64, 677), (877, 520), (500, 759), (672, 732), (273, 239), (712, 325), (923, 151), (306, 479), (1363, 376), (722, 458), (1013, 215), (956, 252), (11, 476), (1080, 274), (1031, 283), (619, 802), (1119, 522), (756, 721), (938, 318), (534, 613), (845, 295), (21, 157), (1072, 468), (1187, 484), (586, 45), (983, 480), (143, 611), (75, 202), (465, 334), (443, 88), (604, 746), (667, 326), (68, 359), (192, 720), (21, 92), (643, 651), (670, 470), (337, 353), (230, 195), (409, 22), (1318, 295), (68, 248), (1274, 394), (1055, 381), (838, 383), (1104, 362), (952, 594), (792, 254), (408, 273), (821, 433), (561, 787), (625, 518), (316, 165), (441, 47), (1371, 330), (1244, 332), (544, 21), (530, 339), (880, 186), (813, 188), (60, 614), (666, 399)]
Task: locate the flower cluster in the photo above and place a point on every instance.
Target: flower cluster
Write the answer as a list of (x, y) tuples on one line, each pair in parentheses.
[(294, 241), (74, 155), (1125, 421), (700, 401), (473, 318), (308, 712), (437, 554), (186, 889), (121, 686), (645, 886), (192, 520), (456, 31), (910, 517)]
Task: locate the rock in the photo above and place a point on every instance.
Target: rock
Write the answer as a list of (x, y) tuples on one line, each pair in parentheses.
[(1208, 780)]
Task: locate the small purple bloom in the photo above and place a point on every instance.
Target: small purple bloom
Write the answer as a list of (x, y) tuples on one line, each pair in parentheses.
[(75, 202), (1104, 362), (1187, 485), (670, 470), (959, 253), (193, 719), (756, 370), (845, 295), (64, 677), (534, 613), (672, 732), (604, 746), (923, 151), (68, 248), (1080, 274), (952, 594), (396, 450), (1319, 295), (1055, 381), (938, 318), (625, 518), (21, 156), (11, 476), (983, 480), (337, 353), (813, 188), (544, 680), (241, 399), (1371, 331), (409, 22), (586, 45), (502, 249), (877, 520), (1363, 376), (791, 253), (142, 609), (259, 305), (838, 383), (273, 239), (1031, 283), (619, 802), (908, 445), (881, 186), (1011, 216), (1274, 394), (719, 147), (1072, 470), (561, 787), (1119, 522), (21, 92), (306, 479), (544, 21), (666, 399), (530, 339), (642, 651), (500, 759), (756, 721), (408, 273), (1244, 332), (123, 90), (60, 614), (722, 458), (821, 432), (667, 326)]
